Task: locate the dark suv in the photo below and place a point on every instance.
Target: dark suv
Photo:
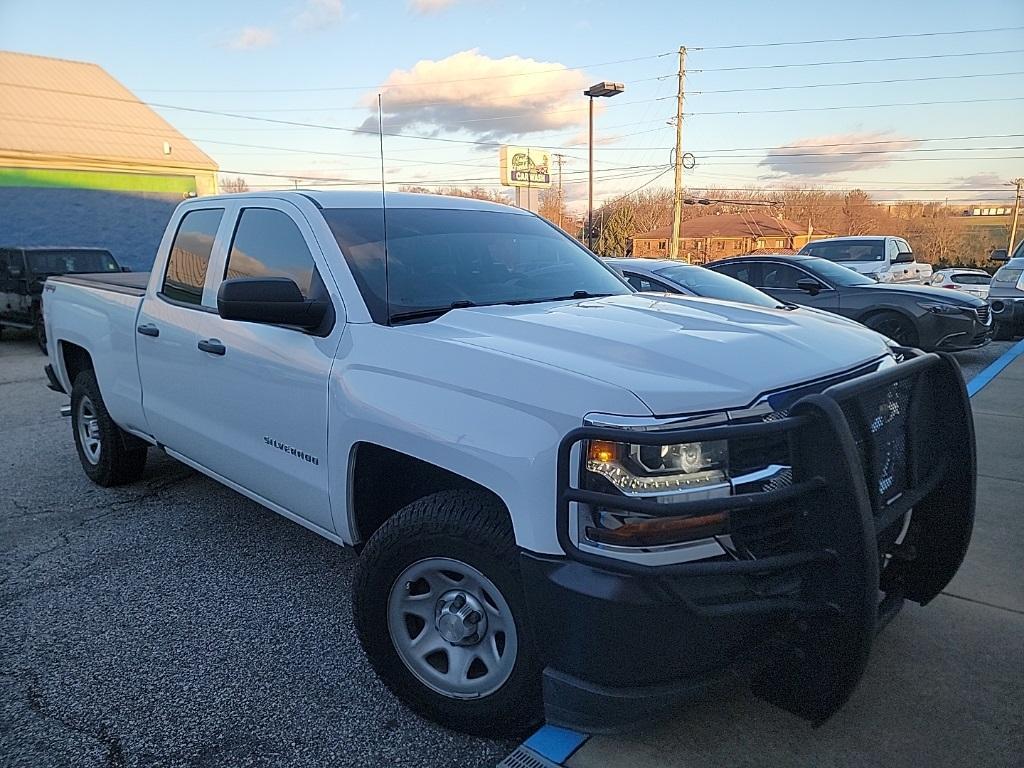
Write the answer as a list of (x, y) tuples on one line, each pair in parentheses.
[(23, 272)]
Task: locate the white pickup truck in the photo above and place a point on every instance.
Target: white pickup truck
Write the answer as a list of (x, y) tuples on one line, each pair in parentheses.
[(884, 258), (570, 500)]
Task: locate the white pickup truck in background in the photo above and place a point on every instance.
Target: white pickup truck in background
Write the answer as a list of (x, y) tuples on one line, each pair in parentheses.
[(884, 258), (569, 500)]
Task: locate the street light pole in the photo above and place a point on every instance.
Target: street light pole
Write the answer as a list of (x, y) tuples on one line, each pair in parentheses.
[(603, 89)]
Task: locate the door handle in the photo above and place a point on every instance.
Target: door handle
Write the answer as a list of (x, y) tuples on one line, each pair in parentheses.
[(148, 329), (213, 346)]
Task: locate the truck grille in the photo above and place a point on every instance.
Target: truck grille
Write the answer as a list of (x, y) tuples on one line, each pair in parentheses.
[(878, 420)]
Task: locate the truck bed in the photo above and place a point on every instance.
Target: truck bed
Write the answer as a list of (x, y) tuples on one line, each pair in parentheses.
[(131, 283)]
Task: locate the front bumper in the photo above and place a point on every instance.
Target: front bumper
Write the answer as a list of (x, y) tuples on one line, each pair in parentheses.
[(951, 333), (623, 641), (1007, 311)]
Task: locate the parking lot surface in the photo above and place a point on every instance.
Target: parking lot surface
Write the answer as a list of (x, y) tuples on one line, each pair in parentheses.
[(173, 622)]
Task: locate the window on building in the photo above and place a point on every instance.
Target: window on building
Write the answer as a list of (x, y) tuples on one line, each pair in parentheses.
[(190, 256), (268, 244), (662, 245)]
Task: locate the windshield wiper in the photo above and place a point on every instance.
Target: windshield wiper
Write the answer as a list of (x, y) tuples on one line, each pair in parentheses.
[(575, 295), (432, 312)]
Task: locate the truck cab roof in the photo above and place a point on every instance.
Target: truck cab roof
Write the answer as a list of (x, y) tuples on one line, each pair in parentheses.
[(372, 199)]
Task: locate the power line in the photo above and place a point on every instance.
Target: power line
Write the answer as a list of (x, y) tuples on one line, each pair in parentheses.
[(417, 84), (852, 106), (854, 39), (857, 61), (870, 142), (872, 152), (859, 82)]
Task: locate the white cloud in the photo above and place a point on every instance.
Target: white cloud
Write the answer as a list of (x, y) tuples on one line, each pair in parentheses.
[(251, 38), (320, 14), (431, 6), (492, 99), (826, 155)]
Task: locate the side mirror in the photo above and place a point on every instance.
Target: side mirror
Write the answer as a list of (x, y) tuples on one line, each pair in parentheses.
[(999, 254), (809, 285), (904, 257), (269, 300), (126, 269)]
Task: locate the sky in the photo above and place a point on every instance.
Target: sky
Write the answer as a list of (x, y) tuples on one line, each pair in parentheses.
[(467, 75)]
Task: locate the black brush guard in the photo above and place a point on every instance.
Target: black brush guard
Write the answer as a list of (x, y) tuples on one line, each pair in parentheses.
[(865, 453)]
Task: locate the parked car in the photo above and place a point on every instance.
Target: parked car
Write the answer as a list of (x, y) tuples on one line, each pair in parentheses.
[(570, 501), (23, 272), (972, 281), (1006, 297), (883, 258), (912, 315)]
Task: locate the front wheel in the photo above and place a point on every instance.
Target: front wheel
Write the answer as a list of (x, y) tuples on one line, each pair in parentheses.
[(40, 329), (895, 326), (439, 608)]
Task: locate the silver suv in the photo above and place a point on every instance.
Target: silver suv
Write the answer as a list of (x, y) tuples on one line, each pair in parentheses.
[(1006, 297)]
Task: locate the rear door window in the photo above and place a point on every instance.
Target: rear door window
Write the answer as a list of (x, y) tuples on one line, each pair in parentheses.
[(745, 271), (190, 256)]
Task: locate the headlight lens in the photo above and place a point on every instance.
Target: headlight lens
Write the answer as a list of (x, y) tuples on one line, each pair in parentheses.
[(940, 308), (638, 469)]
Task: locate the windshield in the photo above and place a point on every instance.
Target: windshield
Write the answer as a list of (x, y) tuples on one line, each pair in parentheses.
[(836, 274), (970, 278), (713, 285), (1009, 273), (70, 262), (847, 250), (440, 259)]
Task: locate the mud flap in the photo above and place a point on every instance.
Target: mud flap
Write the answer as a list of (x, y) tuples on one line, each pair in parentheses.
[(823, 658)]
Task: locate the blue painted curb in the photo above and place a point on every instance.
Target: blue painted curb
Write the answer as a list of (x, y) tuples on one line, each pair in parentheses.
[(975, 385), (554, 743)]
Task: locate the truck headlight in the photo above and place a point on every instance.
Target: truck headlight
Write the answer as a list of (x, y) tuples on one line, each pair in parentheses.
[(642, 469)]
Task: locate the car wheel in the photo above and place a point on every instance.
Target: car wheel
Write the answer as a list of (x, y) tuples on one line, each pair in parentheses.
[(439, 608), (40, 329), (109, 455), (895, 326)]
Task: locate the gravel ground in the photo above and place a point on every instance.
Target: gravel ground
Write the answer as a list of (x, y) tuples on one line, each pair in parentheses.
[(175, 623)]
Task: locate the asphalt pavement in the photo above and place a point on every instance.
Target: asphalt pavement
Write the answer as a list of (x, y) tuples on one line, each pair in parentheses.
[(173, 622)]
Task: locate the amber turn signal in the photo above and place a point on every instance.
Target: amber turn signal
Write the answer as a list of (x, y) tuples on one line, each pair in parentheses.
[(603, 451), (666, 530)]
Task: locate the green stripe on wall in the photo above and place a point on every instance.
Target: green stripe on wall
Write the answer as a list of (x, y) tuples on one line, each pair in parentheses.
[(125, 182)]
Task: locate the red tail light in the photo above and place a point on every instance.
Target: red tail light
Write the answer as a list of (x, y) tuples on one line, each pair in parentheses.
[(950, 285)]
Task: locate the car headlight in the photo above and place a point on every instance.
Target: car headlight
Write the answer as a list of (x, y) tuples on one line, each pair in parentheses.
[(645, 469), (940, 307)]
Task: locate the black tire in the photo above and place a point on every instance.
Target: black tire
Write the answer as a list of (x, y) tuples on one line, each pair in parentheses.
[(473, 528), (895, 326), (40, 329), (1001, 331), (121, 457)]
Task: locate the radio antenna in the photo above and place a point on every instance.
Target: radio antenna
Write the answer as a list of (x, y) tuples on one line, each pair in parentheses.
[(384, 206)]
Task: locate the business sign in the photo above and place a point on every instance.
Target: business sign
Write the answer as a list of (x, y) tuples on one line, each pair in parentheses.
[(525, 167)]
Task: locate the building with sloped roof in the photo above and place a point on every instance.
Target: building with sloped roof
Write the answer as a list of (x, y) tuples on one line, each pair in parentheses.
[(717, 236), (69, 124)]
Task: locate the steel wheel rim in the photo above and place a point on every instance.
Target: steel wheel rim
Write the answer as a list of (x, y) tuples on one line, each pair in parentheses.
[(423, 623), (89, 430)]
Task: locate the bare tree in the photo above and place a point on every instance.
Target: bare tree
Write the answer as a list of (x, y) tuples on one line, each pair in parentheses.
[(237, 184)]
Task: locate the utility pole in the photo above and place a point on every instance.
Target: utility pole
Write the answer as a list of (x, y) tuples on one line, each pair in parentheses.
[(559, 159), (677, 200), (1016, 210)]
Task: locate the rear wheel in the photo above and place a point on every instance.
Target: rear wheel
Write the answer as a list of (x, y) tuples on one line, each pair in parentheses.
[(895, 326), (109, 455), (439, 608)]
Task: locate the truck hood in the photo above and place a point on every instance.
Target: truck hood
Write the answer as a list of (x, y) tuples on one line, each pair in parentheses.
[(676, 354)]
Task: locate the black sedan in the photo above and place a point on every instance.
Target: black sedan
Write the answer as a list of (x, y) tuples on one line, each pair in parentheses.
[(911, 315)]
